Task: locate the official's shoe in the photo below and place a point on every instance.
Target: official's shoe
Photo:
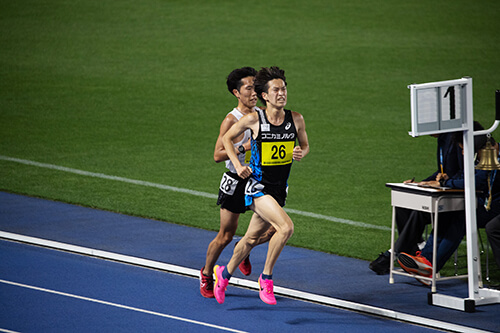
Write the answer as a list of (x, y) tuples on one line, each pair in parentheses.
[(220, 284), (206, 285), (422, 281), (266, 292), (415, 264), (382, 264)]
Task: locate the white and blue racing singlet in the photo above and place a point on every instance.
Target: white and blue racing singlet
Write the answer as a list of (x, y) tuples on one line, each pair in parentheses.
[(244, 158)]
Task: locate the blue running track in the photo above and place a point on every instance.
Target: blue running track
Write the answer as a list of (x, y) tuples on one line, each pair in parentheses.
[(47, 290)]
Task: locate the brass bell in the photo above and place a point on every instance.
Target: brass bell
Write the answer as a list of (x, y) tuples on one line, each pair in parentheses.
[(489, 158)]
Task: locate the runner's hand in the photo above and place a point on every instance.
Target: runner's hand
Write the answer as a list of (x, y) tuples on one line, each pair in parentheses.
[(297, 153), (244, 171)]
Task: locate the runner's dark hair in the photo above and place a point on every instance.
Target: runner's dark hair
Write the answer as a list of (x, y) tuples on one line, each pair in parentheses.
[(234, 78), (263, 77)]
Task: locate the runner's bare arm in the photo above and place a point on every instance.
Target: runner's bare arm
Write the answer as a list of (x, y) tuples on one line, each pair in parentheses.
[(302, 149), (250, 121), (220, 154)]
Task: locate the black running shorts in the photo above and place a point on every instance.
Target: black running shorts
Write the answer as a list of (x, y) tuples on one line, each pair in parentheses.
[(232, 193)]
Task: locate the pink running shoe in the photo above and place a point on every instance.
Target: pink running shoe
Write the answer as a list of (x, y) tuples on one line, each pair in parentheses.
[(220, 284), (266, 291)]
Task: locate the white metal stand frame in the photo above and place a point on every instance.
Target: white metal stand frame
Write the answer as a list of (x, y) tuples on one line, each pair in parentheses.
[(431, 201), (477, 294)]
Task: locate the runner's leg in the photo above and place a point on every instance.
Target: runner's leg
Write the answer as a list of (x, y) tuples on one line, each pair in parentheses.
[(256, 228), (228, 226), (269, 210)]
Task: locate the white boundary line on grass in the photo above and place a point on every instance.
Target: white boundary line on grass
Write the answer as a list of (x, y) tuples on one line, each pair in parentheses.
[(180, 190), (301, 295)]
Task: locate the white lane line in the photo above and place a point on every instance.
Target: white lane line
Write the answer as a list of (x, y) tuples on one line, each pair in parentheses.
[(180, 190), (286, 292), (121, 306), (3, 330)]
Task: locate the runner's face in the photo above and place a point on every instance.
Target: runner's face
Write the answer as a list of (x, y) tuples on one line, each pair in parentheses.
[(247, 95), (276, 94)]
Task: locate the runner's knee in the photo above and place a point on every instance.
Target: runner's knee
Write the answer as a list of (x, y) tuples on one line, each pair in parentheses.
[(287, 230), (225, 238)]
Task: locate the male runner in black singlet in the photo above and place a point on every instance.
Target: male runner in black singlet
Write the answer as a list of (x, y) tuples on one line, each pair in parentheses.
[(240, 83), (274, 132)]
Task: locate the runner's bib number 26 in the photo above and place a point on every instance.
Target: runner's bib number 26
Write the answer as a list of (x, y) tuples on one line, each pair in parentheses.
[(277, 153)]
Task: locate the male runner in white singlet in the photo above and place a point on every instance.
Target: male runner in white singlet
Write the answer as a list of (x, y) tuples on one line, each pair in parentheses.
[(274, 132)]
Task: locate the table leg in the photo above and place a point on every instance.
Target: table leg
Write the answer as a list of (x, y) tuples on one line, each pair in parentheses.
[(391, 278)]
